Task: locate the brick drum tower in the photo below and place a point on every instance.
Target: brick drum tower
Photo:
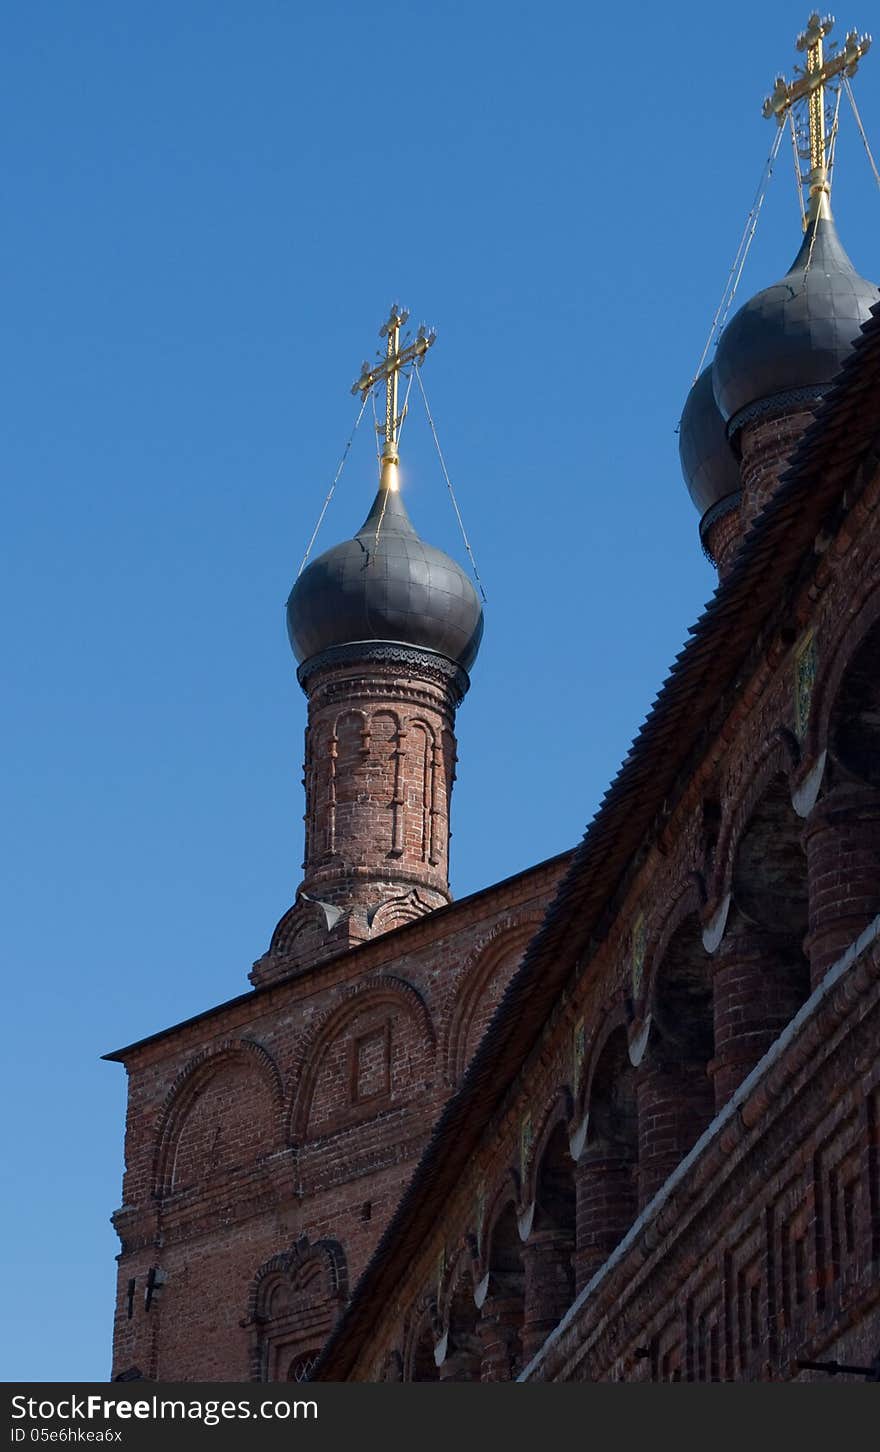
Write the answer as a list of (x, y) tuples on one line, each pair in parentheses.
[(778, 355), (385, 628)]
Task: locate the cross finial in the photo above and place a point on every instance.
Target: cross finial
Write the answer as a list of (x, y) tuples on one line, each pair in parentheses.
[(809, 84), (396, 358)]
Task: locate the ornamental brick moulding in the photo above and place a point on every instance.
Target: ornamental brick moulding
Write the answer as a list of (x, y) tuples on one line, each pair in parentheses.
[(852, 635), (556, 1113), (303, 918), (461, 1263), (478, 987), (458, 1352), (508, 1191), (759, 767), (616, 1018), (686, 908), (295, 1300), (402, 1005)]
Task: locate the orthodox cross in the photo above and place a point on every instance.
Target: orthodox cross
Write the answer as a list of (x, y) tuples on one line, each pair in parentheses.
[(809, 84), (396, 358)]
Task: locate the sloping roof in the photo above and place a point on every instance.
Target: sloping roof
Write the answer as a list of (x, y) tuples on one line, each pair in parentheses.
[(833, 445)]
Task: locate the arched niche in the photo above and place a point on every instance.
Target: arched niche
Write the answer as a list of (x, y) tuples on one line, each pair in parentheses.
[(420, 1362), (479, 987), (854, 727), (424, 794), (372, 1051), (673, 1084), (607, 1168), (462, 1351), (681, 998), (222, 1117), (554, 1183), (363, 767), (844, 707), (769, 877), (842, 832), (548, 1252), (761, 971), (502, 1312)]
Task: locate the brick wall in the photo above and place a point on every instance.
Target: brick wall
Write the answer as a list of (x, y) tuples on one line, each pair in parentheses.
[(766, 445), (756, 1245), (293, 1119), (379, 770)]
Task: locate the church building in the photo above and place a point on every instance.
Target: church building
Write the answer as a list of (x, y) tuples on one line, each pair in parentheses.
[(616, 1117)]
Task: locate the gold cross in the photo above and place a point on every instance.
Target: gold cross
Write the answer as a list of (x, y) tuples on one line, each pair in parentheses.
[(395, 359), (810, 84)]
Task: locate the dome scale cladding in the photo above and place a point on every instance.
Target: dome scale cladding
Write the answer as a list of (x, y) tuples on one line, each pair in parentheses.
[(385, 584)]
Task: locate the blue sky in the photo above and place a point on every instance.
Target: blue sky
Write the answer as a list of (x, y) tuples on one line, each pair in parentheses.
[(208, 208)]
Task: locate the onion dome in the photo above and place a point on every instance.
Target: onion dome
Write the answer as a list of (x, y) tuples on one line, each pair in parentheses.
[(708, 463), (385, 584), (786, 344)]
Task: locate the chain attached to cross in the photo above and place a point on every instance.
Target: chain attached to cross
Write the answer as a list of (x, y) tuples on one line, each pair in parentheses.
[(810, 85), (396, 358)]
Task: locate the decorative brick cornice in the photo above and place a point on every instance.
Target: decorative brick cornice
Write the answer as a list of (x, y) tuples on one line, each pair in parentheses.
[(388, 653), (233, 1198), (717, 511), (324, 1263), (793, 400), (339, 1158), (328, 1255), (189, 1082)]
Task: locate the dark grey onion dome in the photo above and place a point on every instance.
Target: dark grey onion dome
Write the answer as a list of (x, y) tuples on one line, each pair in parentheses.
[(788, 342), (399, 590), (708, 463)]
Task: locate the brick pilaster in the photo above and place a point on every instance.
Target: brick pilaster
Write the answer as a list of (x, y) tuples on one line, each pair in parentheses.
[(499, 1331), (842, 839), (758, 986), (675, 1103), (606, 1208), (463, 1360), (549, 1285)]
